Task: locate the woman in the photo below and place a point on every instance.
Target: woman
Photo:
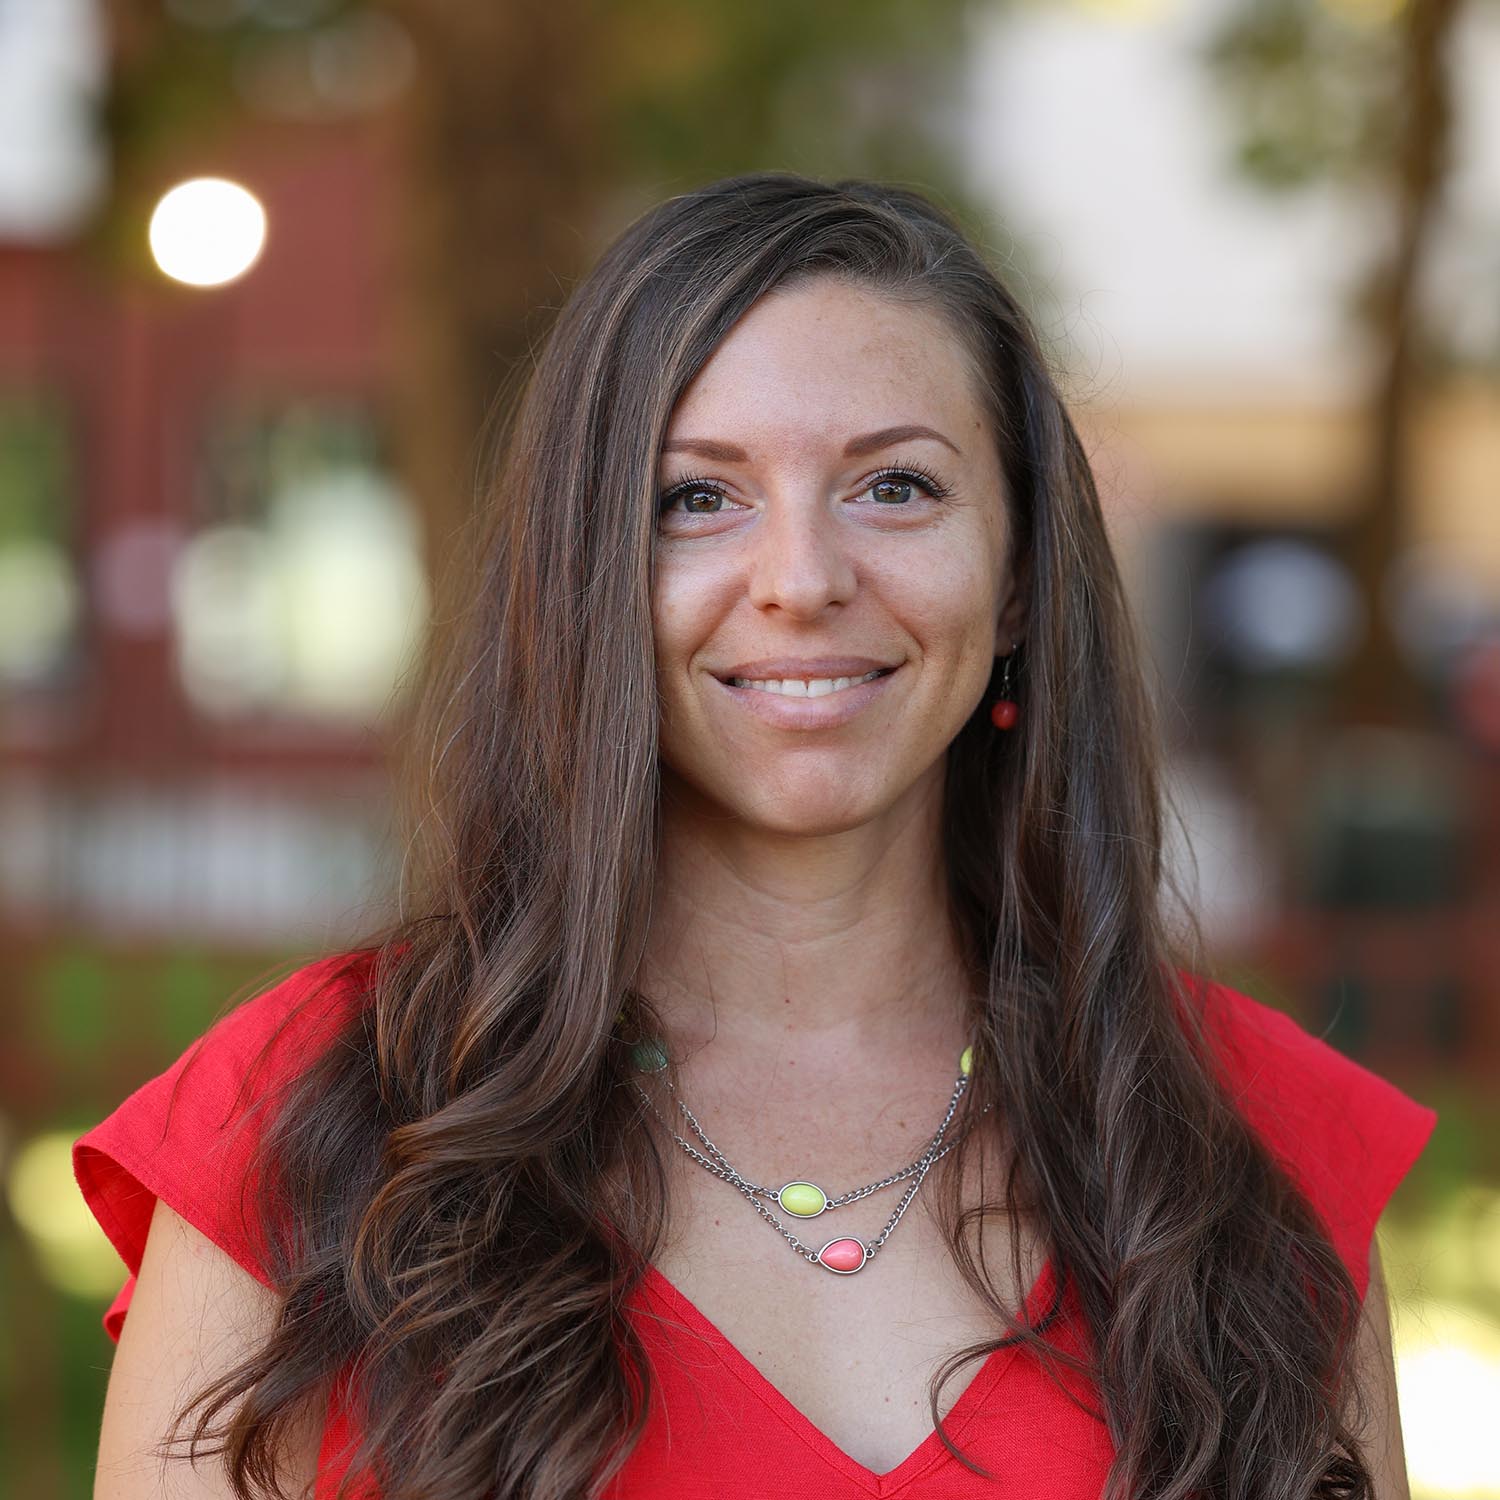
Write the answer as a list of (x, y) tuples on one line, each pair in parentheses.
[(790, 845)]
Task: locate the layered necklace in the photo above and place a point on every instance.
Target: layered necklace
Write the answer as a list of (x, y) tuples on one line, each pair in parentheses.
[(801, 1199)]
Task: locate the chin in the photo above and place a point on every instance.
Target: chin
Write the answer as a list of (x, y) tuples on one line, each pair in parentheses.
[(790, 800), (790, 821), (813, 810)]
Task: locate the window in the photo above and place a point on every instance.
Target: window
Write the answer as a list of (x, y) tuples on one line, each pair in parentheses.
[(302, 593)]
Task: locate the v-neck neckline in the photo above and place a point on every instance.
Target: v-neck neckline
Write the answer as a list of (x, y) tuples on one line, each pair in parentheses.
[(922, 1457)]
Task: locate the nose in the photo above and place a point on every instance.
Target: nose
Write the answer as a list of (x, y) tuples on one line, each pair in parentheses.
[(798, 562)]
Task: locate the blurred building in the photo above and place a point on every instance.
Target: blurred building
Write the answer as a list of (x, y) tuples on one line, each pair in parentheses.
[(211, 582), (210, 579), (1223, 381)]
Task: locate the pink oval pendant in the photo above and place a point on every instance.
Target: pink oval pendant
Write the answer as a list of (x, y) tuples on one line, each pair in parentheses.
[(844, 1256)]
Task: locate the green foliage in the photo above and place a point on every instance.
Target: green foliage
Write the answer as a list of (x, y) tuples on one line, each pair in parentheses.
[(681, 91), (1311, 92), (182, 77), (73, 1010), (846, 87), (36, 479)]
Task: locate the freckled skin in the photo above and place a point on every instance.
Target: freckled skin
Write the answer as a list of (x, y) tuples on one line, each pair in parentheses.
[(801, 559)]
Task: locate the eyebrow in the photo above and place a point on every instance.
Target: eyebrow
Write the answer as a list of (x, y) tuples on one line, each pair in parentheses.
[(857, 447)]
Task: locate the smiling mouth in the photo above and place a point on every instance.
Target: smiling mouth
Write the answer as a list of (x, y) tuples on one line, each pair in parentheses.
[(805, 687)]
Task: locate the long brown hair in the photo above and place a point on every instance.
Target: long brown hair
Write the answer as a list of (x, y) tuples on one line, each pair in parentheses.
[(474, 1192)]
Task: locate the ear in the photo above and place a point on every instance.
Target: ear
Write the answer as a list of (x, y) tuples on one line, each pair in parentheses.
[(1010, 625)]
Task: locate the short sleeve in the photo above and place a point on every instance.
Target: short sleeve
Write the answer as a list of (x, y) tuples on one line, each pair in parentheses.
[(187, 1136), (1345, 1135)]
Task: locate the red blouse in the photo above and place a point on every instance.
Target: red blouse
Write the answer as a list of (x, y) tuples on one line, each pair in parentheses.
[(717, 1426)]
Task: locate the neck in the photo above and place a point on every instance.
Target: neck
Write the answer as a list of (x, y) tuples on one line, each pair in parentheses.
[(835, 945)]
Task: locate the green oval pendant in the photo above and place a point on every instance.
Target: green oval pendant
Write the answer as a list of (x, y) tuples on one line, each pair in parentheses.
[(805, 1199), (649, 1057), (966, 1061)]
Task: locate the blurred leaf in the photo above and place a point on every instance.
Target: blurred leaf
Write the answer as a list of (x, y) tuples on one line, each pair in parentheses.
[(192, 990), (72, 1015), (1310, 92), (36, 481), (701, 91)]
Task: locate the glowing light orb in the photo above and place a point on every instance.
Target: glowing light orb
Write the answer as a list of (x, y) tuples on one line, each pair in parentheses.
[(71, 1249), (207, 231), (1448, 1376)]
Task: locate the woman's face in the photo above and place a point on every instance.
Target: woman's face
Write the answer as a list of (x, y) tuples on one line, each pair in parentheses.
[(845, 512)]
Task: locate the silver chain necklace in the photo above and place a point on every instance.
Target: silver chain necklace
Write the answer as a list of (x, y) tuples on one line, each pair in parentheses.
[(802, 1199)]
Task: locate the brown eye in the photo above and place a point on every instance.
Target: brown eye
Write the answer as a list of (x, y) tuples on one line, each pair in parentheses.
[(892, 491), (894, 486), (697, 496)]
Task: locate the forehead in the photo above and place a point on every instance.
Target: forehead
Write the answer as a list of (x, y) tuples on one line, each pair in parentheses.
[(808, 361)]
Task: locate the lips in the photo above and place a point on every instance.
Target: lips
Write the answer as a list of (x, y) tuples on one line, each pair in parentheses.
[(825, 711)]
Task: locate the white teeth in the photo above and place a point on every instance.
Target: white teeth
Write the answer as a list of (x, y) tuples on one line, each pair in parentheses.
[(802, 687)]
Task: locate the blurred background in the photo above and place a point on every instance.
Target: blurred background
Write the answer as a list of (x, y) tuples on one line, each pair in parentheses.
[(264, 265)]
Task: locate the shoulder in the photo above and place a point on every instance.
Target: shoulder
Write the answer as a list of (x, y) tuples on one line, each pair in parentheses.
[(1345, 1134), (187, 1136)]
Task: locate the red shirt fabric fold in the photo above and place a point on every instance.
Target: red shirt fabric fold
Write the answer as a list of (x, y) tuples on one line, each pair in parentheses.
[(717, 1427)]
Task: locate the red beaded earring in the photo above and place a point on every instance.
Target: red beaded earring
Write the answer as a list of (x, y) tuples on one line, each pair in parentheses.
[(1004, 711)]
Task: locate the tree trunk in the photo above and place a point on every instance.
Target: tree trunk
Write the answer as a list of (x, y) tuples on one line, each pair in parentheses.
[(502, 172), (1378, 686)]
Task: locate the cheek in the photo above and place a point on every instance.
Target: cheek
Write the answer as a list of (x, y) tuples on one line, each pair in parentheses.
[(947, 599), (686, 603), (674, 605)]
